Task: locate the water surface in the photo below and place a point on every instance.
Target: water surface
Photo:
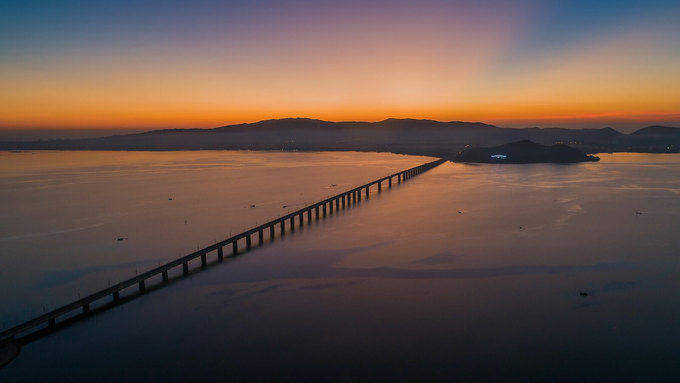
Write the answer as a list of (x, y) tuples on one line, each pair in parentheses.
[(466, 272)]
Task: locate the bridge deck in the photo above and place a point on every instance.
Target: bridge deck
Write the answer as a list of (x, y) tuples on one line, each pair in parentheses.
[(347, 197)]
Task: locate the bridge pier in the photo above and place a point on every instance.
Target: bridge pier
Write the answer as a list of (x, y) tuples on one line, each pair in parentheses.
[(337, 202), (260, 238), (343, 200), (367, 191), (301, 216), (165, 276), (116, 296), (234, 247), (358, 191), (142, 286), (271, 232), (86, 308), (204, 260), (220, 253), (283, 227), (389, 182), (51, 322), (324, 208), (316, 210), (379, 186), (309, 216), (185, 268), (248, 245), (292, 223)]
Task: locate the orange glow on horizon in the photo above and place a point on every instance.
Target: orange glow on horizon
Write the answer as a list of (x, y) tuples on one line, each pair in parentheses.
[(436, 65)]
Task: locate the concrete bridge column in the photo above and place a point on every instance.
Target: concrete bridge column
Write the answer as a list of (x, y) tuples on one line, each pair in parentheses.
[(316, 210), (116, 296), (260, 237), (271, 232), (302, 219), (220, 253), (142, 287), (309, 216), (380, 187), (234, 247), (343, 200), (204, 261), (165, 276), (389, 182), (367, 191), (283, 227), (185, 268), (292, 223), (324, 208), (358, 194), (248, 242)]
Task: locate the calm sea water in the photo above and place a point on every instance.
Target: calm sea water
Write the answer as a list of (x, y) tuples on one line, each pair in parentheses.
[(468, 273), (63, 212)]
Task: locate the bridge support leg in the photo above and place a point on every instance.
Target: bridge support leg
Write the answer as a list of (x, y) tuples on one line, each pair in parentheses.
[(316, 211), (337, 202), (220, 253), (358, 195), (292, 223), (248, 242), (142, 286), (324, 208), (234, 247), (301, 216), (283, 227), (204, 260), (309, 216), (367, 191), (116, 296), (260, 237), (271, 233), (380, 187), (165, 276), (185, 268), (389, 182), (343, 197)]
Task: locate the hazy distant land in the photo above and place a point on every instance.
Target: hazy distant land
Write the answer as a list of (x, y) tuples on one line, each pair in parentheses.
[(402, 136)]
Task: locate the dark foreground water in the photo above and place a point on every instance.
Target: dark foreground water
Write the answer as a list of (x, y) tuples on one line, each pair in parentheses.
[(464, 273)]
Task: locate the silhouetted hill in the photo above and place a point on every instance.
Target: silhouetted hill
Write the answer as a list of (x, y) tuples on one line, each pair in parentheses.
[(657, 130), (524, 152), (407, 136)]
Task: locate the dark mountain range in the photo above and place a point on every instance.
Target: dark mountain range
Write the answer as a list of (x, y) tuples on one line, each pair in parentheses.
[(657, 130), (525, 152), (407, 136)]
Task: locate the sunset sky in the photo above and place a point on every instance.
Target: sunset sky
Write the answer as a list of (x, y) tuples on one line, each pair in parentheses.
[(143, 65)]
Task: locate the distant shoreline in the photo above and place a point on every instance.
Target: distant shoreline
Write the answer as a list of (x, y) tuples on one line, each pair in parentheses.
[(405, 136)]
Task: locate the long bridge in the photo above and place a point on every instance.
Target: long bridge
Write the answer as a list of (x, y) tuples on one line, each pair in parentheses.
[(23, 333)]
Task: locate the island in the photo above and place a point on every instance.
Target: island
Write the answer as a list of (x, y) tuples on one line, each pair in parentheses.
[(524, 152)]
